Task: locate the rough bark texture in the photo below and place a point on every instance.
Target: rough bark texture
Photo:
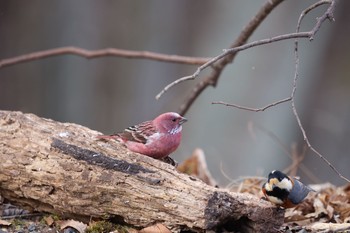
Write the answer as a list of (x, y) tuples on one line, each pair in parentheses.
[(61, 168)]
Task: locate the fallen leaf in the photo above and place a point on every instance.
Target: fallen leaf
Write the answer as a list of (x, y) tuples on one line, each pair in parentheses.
[(79, 226), (293, 215), (320, 209), (130, 230), (197, 166), (4, 223), (330, 227), (158, 228), (49, 220), (347, 220)]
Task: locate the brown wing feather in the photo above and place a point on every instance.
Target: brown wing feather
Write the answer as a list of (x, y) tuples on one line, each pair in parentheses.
[(138, 133)]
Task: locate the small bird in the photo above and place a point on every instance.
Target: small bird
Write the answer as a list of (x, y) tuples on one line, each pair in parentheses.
[(156, 138), (283, 190)]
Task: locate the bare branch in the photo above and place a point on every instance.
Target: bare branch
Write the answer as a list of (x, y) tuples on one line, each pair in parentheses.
[(212, 79), (255, 109), (89, 54), (268, 41), (228, 55), (327, 14), (309, 34), (234, 50), (307, 10)]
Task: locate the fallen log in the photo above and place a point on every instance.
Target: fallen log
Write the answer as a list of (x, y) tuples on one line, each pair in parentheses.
[(61, 168)]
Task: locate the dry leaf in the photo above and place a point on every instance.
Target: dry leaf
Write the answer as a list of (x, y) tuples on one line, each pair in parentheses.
[(250, 185), (197, 166), (330, 227), (4, 223), (347, 220), (79, 226), (320, 209), (49, 220), (129, 230), (158, 228), (293, 215)]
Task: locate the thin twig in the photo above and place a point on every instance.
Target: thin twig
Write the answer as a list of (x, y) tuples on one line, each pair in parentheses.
[(307, 10), (224, 173), (89, 54), (235, 50), (297, 163), (255, 109), (328, 14), (228, 55), (238, 184), (297, 158), (213, 77), (285, 149), (274, 138)]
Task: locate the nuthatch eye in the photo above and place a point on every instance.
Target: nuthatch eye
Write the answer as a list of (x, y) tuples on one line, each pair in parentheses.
[(283, 190)]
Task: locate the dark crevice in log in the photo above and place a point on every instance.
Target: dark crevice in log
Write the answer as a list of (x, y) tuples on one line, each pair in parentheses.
[(96, 158), (218, 210), (225, 213)]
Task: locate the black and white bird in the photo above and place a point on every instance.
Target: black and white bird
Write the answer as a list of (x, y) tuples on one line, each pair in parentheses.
[(283, 190)]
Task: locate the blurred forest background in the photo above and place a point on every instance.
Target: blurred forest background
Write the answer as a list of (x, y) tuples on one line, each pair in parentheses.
[(110, 93)]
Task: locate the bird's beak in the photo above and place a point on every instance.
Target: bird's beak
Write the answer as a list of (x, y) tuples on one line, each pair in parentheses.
[(182, 120)]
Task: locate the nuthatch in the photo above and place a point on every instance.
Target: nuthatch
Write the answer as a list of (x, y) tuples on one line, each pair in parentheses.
[(283, 190)]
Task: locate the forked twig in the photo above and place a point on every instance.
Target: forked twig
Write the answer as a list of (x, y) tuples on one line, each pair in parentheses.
[(255, 109), (327, 15), (213, 77), (234, 50)]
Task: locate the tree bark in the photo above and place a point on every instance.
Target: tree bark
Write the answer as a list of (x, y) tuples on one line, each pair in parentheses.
[(62, 168)]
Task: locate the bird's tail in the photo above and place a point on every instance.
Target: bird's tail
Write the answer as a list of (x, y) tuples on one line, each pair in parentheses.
[(299, 192)]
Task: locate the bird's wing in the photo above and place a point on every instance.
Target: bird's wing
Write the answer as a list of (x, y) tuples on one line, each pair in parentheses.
[(298, 192), (138, 133)]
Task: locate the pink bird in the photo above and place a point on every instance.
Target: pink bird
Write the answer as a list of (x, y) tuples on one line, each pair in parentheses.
[(157, 138)]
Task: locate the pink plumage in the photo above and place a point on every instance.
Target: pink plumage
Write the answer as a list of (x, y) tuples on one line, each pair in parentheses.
[(156, 138)]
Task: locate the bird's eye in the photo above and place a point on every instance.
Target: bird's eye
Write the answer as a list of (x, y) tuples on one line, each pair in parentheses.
[(173, 120)]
